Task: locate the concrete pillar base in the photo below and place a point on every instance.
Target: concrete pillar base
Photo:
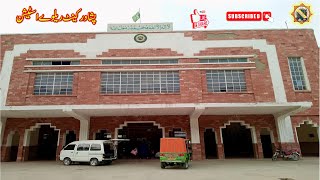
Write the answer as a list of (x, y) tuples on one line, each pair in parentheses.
[(258, 151), (220, 151), (196, 151)]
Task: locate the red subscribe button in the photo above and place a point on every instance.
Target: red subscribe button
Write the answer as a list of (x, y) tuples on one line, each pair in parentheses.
[(244, 16)]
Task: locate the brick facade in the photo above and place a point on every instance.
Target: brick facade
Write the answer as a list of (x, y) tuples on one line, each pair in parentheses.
[(193, 84)]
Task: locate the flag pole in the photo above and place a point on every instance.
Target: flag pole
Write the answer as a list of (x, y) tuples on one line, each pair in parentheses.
[(140, 16)]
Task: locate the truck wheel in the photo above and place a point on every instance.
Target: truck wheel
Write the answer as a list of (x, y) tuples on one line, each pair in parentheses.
[(186, 165), (94, 162), (163, 165), (67, 161)]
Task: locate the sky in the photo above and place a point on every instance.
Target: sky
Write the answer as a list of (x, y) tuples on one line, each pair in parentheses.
[(152, 11)]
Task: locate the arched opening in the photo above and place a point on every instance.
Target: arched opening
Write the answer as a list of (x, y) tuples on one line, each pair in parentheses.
[(144, 136), (13, 143), (43, 143), (266, 142), (210, 144), (237, 141), (308, 139), (70, 137), (103, 134)]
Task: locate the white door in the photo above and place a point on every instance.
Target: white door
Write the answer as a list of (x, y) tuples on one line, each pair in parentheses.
[(68, 152), (82, 153)]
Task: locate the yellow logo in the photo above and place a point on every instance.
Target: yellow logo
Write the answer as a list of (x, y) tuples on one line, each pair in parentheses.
[(301, 13)]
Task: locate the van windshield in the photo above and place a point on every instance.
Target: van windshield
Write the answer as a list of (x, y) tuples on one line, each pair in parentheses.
[(108, 150)]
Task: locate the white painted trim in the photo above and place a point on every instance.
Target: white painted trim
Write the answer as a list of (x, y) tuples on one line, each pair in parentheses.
[(309, 122), (215, 134), (142, 58), (149, 106), (10, 137), (128, 122), (252, 129), (121, 65), (118, 70), (304, 71), (270, 133), (26, 140), (176, 41)]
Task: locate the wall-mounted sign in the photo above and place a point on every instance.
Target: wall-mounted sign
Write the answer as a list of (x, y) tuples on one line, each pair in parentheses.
[(140, 38), (180, 134), (140, 27)]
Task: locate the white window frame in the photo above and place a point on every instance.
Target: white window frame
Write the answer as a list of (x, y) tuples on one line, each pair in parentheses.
[(305, 75)]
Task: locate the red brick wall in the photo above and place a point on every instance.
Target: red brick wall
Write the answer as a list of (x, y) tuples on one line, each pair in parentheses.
[(259, 82), (167, 122), (20, 125), (215, 122)]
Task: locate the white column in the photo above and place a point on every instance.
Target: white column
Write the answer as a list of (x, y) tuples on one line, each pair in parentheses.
[(194, 124), (194, 128), (84, 129), (2, 127), (284, 129)]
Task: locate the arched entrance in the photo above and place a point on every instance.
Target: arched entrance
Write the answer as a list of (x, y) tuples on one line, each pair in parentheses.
[(267, 143), (13, 142), (42, 141), (145, 136), (237, 141), (70, 137), (103, 134), (210, 143), (308, 139)]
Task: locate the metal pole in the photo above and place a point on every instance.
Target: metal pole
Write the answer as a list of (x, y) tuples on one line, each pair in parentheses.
[(140, 16)]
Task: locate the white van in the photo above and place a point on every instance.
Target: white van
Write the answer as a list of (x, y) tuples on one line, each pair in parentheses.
[(92, 151)]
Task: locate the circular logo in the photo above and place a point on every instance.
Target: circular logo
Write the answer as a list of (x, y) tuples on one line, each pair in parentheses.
[(301, 13), (140, 38)]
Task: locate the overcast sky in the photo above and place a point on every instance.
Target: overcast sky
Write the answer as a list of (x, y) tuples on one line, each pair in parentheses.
[(152, 11)]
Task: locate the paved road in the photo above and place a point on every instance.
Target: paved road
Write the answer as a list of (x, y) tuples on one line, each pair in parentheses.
[(235, 169)]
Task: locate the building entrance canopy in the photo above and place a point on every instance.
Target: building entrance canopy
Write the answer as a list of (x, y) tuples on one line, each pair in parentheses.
[(86, 111)]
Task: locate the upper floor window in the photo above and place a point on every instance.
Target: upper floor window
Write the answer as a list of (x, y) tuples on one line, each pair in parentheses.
[(53, 84), (298, 73), (164, 61), (224, 60), (226, 81), (140, 82), (54, 63)]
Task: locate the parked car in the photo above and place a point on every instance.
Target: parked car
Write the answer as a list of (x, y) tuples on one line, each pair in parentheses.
[(175, 151), (93, 151)]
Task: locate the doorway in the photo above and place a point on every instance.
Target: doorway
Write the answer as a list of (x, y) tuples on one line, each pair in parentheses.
[(237, 141), (143, 136), (70, 137), (43, 143), (210, 144), (14, 146), (266, 142), (308, 139)]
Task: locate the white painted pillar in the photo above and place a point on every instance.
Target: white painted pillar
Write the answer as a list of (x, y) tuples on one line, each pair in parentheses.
[(84, 129), (2, 127), (284, 129), (194, 128)]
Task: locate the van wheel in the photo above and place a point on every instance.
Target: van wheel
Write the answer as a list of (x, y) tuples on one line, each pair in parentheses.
[(67, 161), (94, 162), (163, 165)]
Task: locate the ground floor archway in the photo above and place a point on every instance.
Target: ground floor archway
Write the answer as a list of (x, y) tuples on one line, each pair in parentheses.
[(210, 144), (266, 142), (308, 138), (43, 141), (145, 136), (237, 141)]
